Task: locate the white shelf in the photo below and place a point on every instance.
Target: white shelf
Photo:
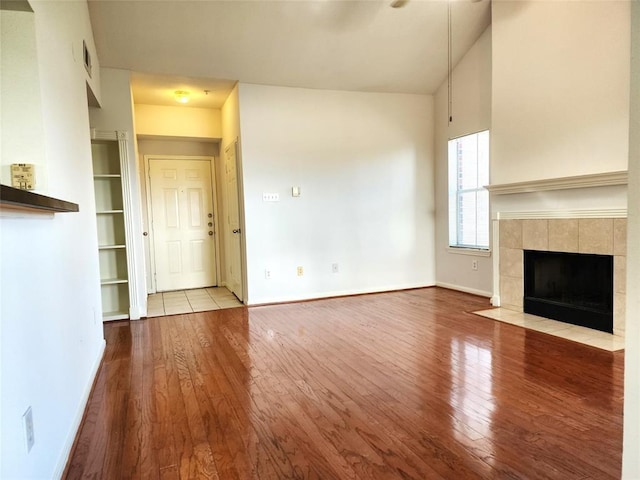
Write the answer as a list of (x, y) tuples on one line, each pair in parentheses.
[(113, 281), (110, 247), (105, 212), (110, 316)]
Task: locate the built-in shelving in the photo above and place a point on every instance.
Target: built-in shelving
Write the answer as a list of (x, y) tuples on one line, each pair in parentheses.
[(112, 244)]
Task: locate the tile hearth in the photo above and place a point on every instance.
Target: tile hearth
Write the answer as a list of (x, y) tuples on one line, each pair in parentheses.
[(587, 336)]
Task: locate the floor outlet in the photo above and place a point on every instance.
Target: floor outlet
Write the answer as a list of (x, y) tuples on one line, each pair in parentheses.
[(300, 271), (27, 420)]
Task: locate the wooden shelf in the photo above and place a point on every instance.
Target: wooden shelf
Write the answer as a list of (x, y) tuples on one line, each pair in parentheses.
[(14, 198), (108, 175), (105, 212)]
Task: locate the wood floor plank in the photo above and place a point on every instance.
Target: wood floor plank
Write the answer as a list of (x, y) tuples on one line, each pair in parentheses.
[(402, 385)]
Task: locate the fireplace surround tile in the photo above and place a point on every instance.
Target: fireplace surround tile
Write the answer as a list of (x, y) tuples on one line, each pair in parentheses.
[(511, 263), (535, 234), (511, 289), (620, 274), (604, 236), (619, 236), (511, 233), (619, 313), (563, 235), (595, 235)]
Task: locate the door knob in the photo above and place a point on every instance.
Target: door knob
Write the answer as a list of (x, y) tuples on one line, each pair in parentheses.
[(210, 233), (236, 230)]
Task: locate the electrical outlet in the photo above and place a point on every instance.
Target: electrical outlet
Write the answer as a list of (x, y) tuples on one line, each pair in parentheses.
[(300, 271), (270, 197), (335, 268), (27, 420), (267, 274), (474, 264)]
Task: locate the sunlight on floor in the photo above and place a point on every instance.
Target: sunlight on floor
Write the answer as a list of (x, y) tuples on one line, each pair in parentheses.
[(189, 301)]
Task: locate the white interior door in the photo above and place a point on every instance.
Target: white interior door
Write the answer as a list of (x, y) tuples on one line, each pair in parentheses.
[(182, 223), (234, 277)]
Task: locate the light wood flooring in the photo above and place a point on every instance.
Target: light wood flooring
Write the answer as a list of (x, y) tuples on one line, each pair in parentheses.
[(403, 385)]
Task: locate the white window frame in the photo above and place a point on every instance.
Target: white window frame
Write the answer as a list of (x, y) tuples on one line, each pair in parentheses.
[(454, 194)]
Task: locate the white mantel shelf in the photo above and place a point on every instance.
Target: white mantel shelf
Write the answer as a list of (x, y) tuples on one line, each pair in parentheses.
[(563, 183)]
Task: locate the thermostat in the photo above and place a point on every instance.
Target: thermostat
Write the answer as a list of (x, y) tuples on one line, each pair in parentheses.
[(23, 176)]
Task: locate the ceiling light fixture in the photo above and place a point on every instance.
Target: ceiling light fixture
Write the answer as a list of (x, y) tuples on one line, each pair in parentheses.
[(181, 96)]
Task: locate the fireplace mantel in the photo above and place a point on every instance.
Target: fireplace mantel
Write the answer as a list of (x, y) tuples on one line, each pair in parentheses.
[(562, 183)]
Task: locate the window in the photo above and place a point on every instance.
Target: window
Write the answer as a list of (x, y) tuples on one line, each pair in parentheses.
[(468, 200)]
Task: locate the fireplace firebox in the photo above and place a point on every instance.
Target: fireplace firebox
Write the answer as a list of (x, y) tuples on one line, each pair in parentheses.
[(570, 287)]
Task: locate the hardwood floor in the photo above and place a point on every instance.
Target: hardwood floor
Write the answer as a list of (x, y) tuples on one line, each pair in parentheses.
[(406, 385)]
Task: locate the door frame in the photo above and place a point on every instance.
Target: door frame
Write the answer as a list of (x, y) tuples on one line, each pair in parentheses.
[(214, 191)]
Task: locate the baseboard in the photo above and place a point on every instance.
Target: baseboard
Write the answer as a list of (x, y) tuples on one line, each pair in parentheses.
[(340, 293), (67, 449), (459, 288)]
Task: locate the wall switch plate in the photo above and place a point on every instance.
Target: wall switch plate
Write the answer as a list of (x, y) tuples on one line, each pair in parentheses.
[(27, 421), (270, 197), (295, 191), (300, 271)]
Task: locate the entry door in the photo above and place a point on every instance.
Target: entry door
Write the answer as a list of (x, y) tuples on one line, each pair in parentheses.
[(234, 282), (182, 223)]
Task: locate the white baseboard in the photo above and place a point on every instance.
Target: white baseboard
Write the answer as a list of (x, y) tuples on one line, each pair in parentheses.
[(337, 293), (68, 445), (459, 288)]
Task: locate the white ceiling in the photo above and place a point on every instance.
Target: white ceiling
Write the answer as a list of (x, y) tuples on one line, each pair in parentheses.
[(330, 44)]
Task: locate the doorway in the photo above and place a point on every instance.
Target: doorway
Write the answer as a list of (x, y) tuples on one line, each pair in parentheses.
[(183, 217)]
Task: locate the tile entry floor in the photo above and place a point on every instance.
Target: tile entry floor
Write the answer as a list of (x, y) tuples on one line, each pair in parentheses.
[(588, 336), (189, 301)]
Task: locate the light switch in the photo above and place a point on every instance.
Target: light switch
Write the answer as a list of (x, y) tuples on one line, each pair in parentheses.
[(295, 191)]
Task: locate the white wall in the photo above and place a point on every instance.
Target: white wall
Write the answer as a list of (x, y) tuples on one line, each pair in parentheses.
[(22, 128), (560, 102), (51, 333), (631, 443), (471, 109), (364, 163), (117, 114), (178, 121)]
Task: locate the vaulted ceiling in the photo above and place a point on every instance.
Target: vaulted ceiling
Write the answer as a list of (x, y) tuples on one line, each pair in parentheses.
[(329, 44)]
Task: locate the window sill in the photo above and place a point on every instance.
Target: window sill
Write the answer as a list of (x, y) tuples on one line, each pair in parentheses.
[(476, 252)]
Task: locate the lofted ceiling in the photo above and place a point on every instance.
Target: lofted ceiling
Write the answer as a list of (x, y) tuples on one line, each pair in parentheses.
[(328, 44)]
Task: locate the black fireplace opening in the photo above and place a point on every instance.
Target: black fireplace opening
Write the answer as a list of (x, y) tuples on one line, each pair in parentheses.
[(574, 288)]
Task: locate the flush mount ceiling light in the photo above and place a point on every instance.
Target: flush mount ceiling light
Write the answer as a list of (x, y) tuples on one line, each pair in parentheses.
[(181, 96)]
